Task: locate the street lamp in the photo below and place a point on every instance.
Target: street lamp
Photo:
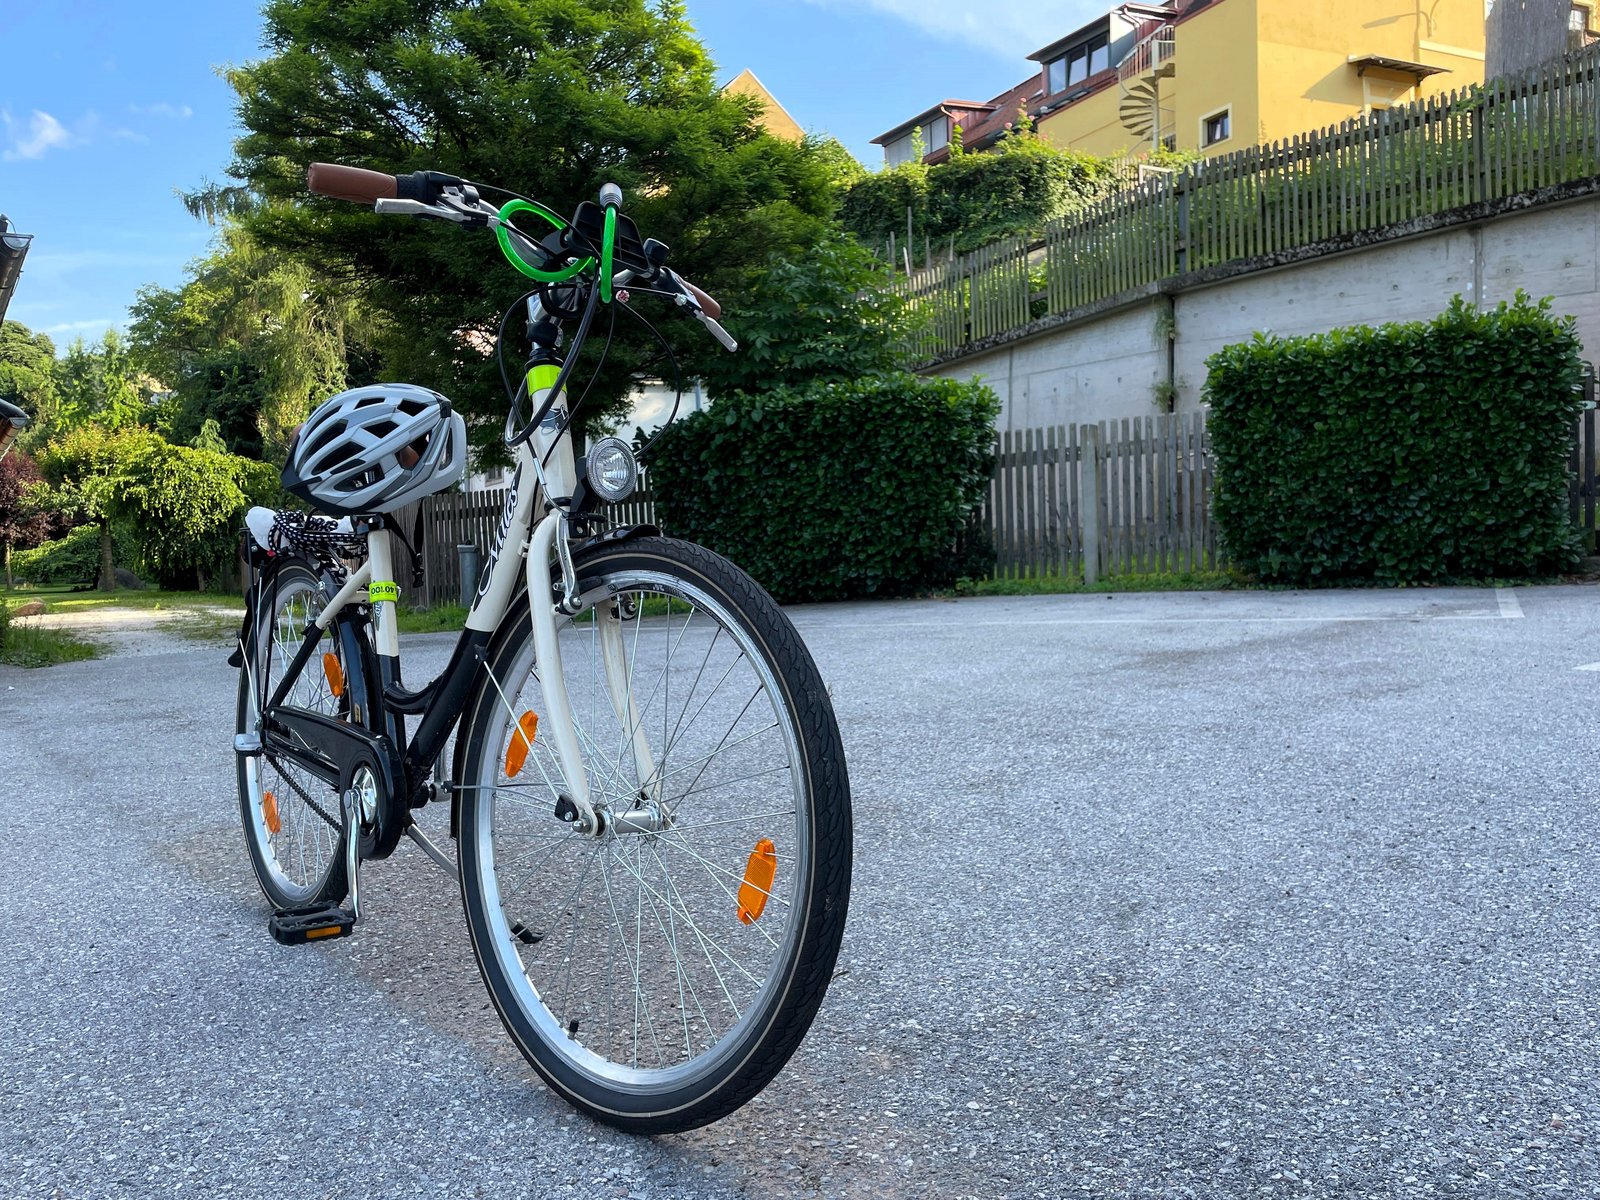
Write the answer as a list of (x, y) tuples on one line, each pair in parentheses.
[(13, 249)]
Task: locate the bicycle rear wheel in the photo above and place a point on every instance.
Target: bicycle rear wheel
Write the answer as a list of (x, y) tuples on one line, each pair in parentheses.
[(660, 975), (291, 818)]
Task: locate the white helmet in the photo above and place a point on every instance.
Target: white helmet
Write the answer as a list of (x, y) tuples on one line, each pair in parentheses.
[(375, 449)]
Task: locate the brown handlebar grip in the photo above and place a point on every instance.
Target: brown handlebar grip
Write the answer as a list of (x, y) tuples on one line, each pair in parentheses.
[(351, 183), (703, 299)]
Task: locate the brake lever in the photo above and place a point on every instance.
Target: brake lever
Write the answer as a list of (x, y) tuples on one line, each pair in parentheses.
[(685, 300), (416, 208), (717, 331)]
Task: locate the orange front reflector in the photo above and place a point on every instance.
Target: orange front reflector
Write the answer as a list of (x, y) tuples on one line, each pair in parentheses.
[(757, 885), (329, 931), (269, 813), (335, 674), (521, 743)]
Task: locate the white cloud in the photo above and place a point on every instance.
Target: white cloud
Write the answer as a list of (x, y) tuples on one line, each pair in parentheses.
[(179, 112), (1013, 28), (44, 133)]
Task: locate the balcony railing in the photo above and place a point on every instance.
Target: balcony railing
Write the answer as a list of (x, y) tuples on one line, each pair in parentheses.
[(1151, 54)]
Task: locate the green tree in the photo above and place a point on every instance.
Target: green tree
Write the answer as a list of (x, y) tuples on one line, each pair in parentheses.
[(179, 504), (252, 341), (550, 97), (182, 505), (81, 471), (831, 318), (27, 369), (97, 384)]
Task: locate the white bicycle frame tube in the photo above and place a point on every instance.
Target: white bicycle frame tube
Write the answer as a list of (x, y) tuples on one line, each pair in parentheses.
[(546, 458)]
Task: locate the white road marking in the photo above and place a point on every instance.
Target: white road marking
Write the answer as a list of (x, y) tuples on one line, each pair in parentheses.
[(1510, 606), (1588, 667)]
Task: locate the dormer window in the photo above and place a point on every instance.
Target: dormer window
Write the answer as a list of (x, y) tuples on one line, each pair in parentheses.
[(935, 136), (1078, 63)]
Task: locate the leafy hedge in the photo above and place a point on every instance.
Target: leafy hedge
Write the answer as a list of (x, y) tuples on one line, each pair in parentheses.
[(73, 559), (1401, 454), (834, 490), (976, 198)]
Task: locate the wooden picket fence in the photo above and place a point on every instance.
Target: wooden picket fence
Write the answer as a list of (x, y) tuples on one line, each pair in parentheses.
[(1121, 497), (1136, 492), (1366, 180), (453, 519)]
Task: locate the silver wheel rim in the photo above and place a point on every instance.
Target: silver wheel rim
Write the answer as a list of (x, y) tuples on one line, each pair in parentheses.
[(638, 936)]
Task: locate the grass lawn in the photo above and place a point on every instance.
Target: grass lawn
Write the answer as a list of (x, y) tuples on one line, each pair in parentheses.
[(1057, 585), (63, 599)]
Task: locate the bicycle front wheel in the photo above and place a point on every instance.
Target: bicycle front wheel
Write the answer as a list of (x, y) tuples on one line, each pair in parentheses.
[(659, 975)]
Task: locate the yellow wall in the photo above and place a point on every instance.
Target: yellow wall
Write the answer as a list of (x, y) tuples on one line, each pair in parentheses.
[(1283, 68), (774, 117), (1217, 59), (1091, 126), (1306, 80)]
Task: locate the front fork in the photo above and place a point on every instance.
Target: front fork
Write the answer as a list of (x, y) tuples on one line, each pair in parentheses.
[(549, 455)]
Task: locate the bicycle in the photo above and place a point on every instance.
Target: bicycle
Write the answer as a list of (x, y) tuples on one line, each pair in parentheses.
[(647, 786)]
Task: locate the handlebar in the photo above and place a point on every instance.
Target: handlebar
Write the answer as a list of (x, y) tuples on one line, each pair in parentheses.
[(435, 194), (356, 184)]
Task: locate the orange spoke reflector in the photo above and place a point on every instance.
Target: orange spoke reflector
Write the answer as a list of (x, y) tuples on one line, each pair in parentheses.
[(269, 813), (521, 743), (757, 886), (335, 674)]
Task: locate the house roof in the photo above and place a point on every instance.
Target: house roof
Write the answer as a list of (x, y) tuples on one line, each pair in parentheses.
[(939, 109), (1150, 12), (774, 117)]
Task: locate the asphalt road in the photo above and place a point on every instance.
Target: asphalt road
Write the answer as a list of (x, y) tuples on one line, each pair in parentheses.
[(1184, 895)]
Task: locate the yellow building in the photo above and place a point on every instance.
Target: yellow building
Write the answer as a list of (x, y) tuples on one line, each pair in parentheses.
[(1216, 76), (774, 117)]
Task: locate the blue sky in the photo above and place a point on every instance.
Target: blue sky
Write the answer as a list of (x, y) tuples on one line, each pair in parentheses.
[(106, 109)]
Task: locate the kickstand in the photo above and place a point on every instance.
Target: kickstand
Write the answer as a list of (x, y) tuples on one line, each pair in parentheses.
[(352, 848), (439, 857)]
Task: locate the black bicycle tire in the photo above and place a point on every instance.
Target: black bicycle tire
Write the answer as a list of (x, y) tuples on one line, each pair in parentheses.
[(767, 1046), (335, 884)]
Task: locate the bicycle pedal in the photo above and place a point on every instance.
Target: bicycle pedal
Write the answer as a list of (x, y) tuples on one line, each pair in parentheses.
[(314, 923)]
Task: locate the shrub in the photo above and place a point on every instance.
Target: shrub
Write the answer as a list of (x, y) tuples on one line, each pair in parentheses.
[(976, 199), (74, 559), (829, 319), (834, 490), (1401, 454)]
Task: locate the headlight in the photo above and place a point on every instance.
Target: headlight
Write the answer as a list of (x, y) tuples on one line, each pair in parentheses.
[(613, 472)]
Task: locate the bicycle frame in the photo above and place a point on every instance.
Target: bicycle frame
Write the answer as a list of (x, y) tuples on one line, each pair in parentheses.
[(544, 467)]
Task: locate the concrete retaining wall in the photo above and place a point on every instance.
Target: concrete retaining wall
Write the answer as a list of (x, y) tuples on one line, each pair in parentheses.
[(1120, 363)]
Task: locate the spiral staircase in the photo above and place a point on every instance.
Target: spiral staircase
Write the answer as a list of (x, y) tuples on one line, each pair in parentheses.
[(1143, 112)]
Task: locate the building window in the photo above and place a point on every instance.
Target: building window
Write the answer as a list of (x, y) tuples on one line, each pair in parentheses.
[(935, 136), (1218, 127), (1077, 64)]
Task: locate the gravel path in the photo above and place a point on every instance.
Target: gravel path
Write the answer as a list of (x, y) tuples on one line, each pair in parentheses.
[(145, 630), (1219, 895)]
